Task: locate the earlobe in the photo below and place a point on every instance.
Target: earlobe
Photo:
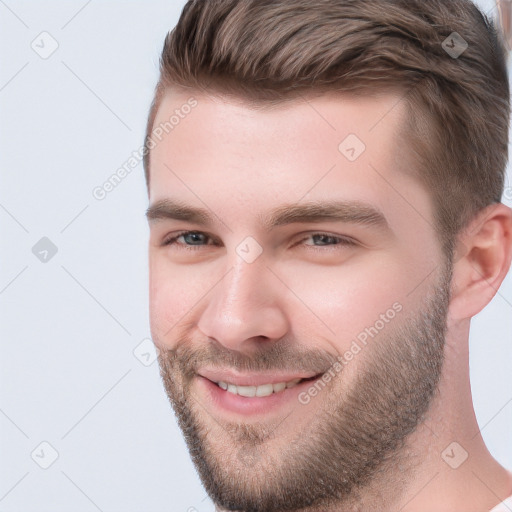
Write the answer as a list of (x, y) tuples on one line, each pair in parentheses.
[(484, 262)]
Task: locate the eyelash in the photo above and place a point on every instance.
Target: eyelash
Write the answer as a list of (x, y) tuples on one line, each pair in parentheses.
[(342, 241)]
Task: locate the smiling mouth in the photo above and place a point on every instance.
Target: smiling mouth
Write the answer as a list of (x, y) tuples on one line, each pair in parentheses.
[(262, 390)]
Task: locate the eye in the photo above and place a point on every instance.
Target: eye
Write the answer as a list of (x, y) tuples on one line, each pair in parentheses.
[(327, 240), (191, 239)]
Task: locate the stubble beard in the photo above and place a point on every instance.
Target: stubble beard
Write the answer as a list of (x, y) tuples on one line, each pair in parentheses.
[(356, 439)]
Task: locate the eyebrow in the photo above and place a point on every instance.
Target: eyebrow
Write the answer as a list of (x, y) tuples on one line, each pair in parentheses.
[(354, 212)]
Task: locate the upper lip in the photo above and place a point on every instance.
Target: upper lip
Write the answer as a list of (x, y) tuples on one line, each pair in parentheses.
[(251, 379)]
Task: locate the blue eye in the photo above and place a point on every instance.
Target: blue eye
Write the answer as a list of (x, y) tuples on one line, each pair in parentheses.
[(196, 239), (326, 239)]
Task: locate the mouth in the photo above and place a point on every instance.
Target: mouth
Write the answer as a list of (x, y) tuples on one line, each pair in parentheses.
[(262, 390), (262, 395)]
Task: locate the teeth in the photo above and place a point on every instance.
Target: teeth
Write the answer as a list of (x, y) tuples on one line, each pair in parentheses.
[(248, 391), (263, 390), (279, 387)]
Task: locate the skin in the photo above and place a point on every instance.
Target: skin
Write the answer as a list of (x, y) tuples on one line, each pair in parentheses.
[(307, 297)]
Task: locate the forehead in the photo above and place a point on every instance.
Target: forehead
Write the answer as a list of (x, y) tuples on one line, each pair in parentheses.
[(334, 146), (306, 119)]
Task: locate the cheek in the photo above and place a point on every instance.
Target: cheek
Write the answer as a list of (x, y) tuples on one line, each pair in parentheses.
[(341, 303), (173, 292)]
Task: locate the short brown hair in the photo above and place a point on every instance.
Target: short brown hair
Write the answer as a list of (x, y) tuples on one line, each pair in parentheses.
[(270, 51)]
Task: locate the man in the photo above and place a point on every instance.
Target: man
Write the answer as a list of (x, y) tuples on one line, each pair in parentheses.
[(325, 219)]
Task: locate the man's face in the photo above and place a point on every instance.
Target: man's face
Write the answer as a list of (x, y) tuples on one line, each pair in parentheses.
[(278, 286)]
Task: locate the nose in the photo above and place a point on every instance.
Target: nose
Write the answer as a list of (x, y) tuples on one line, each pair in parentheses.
[(244, 308)]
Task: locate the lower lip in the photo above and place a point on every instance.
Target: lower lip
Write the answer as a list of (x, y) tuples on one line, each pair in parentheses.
[(229, 402)]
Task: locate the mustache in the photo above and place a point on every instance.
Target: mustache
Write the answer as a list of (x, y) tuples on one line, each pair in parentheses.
[(267, 356)]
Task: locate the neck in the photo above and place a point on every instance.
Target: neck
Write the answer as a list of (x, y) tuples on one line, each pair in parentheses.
[(457, 473)]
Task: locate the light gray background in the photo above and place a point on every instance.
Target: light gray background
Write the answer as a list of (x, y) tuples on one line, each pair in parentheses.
[(69, 327)]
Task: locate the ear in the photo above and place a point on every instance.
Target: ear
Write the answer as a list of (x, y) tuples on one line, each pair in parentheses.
[(482, 260)]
